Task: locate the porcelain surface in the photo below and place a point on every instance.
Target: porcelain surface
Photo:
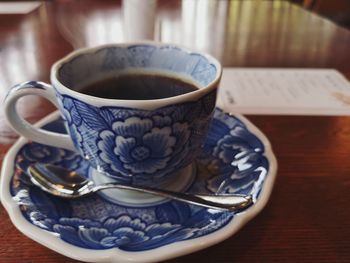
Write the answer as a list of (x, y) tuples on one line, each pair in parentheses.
[(131, 144), (237, 158), (150, 145), (133, 141)]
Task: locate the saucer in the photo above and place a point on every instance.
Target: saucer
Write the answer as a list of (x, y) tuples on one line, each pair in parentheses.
[(237, 158)]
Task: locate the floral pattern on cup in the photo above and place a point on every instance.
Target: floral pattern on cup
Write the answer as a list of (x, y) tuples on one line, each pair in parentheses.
[(140, 146), (149, 145)]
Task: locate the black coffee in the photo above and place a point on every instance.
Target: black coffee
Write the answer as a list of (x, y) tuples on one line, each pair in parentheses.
[(138, 87)]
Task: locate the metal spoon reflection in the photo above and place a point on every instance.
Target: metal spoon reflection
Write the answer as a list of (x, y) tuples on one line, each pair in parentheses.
[(69, 184)]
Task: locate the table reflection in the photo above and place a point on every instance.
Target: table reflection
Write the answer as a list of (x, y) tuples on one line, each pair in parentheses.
[(238, 33), (232, 31)]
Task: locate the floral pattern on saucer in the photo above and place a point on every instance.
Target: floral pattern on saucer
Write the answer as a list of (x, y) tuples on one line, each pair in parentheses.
[(233, 161)]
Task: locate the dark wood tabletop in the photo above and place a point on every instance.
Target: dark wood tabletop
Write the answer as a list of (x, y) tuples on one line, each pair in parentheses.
[(307, 218)]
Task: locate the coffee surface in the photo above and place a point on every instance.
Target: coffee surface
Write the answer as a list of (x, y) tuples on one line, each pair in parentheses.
[(138, 87)]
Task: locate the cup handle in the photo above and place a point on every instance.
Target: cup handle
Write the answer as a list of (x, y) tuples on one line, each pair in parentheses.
[(26, 129)]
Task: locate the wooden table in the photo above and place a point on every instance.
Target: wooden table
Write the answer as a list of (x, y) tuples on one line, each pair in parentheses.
[(308, 216)]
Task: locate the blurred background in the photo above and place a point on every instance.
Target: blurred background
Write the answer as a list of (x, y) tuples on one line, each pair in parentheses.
[(336, 10), (247, 33), (229, 30)]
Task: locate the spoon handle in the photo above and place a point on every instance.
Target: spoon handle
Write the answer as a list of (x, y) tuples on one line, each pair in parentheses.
[(222, 202)]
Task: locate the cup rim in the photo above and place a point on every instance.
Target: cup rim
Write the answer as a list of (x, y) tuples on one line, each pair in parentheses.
[(153, 103)]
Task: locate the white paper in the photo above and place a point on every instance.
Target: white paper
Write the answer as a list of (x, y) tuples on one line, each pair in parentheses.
[(18, 7), (284, 91)]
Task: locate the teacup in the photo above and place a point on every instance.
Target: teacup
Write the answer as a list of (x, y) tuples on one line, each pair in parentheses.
[(144, 141)]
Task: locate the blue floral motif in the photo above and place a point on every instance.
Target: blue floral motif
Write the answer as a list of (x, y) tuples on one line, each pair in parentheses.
[(231, 150), (122, 232), (39, 153), (233, 160), (150, 145), (238, 154), (45, 154), (138, 146)]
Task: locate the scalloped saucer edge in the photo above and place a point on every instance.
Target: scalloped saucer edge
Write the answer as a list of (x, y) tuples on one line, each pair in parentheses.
[(171, 250)]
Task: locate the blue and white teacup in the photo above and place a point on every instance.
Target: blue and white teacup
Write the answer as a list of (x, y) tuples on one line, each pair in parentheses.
[(143, 142)]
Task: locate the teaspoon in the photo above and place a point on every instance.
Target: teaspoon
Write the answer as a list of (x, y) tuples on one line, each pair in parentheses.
[(65, 183)]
